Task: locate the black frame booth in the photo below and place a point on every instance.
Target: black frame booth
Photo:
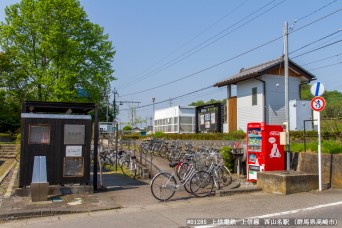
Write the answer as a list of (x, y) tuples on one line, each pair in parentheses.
[(209, 118), (63, 133)]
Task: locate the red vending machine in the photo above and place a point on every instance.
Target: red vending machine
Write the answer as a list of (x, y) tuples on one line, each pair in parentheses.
[(264, 152)]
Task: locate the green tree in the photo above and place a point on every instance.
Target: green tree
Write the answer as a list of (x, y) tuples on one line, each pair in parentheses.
[(197, 103), (211, 101), (127, 128), (54, 50), (332, 113)]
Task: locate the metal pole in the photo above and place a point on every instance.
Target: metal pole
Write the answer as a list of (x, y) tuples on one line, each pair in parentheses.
[(96, 138), (107, 104), (319, 152), (132, 116), (286, 71), (116, 147), (304, 137), (114, 105), (153, 99)]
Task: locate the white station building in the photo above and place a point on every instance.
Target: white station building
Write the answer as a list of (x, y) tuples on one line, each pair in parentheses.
[(176, 119)]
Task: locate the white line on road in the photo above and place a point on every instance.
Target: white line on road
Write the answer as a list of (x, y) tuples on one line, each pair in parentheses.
[(282, 213), (297, 210)]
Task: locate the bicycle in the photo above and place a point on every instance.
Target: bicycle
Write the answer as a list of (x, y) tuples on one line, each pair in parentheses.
[(165, 184), (129, 165), (203, 182)]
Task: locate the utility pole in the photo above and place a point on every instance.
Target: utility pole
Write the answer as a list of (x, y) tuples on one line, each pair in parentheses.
[(286, 72), (132, 108), (115, 93), (107, 104), (132, 112), (153, 99)]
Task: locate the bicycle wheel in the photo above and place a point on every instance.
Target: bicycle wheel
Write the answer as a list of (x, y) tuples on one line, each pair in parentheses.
[(225, 177), (125, 166), (187, 187), (162, 152), (201, 184), (163, 186)]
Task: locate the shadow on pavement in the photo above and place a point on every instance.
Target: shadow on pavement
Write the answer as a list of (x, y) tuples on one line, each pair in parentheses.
[(117, 182)]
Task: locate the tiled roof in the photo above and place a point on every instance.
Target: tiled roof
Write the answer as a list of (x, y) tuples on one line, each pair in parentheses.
[(259, 70)]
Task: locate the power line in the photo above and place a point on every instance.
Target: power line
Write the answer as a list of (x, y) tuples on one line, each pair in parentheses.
[(320, 60), (315, 21), (167, 65), (198, 47), (317, 49), (316, 41), (174, 98), (316, 10), (326, 66), (184, 44), (235, 57)]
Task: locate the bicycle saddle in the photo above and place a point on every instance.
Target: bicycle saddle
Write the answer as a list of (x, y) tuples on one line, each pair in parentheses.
[(134, 157), (173, 164)]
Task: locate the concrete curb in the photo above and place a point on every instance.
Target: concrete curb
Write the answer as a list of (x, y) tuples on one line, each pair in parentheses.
[(7, 171), (24, 214), (229, 192), (12, 181)]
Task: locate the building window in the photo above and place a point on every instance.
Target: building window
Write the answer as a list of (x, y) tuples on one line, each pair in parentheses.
[(39, 134), (254, 96), (185, 120)]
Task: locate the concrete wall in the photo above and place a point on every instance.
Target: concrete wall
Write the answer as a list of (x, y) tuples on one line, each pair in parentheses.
[(287, 182), (331, 167)]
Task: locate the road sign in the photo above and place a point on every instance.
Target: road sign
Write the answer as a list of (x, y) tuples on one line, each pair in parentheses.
[(318, 104), (317, 89)]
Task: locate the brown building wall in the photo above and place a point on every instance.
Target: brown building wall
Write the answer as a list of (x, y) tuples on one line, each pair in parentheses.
[(232, 114)]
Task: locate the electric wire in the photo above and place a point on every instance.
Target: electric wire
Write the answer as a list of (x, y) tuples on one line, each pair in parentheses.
[(186, 43), (239, 27), (234, 57), (320, 60), (334, 64), (193, 51), (167, 100), (257, 48), (315, 41), (198, 47), (316, 49), (302, 18)]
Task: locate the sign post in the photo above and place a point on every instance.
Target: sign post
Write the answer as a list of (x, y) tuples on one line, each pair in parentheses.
[(317, 105)]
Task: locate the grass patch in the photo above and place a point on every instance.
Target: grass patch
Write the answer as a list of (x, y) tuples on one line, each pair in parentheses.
[(327, 146), (118, 170)]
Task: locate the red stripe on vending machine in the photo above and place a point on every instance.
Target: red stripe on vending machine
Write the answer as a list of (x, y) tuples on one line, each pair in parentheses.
[(264, 152)]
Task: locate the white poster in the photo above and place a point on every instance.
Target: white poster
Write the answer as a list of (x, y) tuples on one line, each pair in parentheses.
[(202, 119), (73, 151), (213, 118), (207, 124)]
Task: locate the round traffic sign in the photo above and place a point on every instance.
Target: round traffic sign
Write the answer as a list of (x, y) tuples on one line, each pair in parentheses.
[(317, 89), (318, 104)]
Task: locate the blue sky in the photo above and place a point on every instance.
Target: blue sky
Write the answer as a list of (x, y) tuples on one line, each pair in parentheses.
[(204, 41)]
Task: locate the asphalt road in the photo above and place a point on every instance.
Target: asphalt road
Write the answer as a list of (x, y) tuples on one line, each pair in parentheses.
[(257, 207)]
